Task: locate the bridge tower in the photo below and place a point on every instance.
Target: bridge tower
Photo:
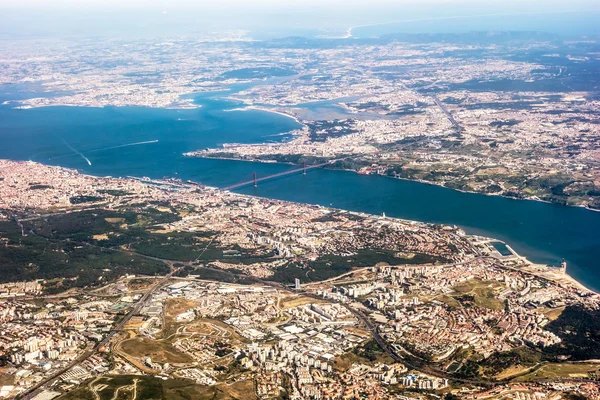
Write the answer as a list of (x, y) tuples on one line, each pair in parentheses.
[(255, 182), (304, 168)]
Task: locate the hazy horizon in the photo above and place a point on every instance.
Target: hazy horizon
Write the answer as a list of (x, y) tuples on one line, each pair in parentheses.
[(268, 18)]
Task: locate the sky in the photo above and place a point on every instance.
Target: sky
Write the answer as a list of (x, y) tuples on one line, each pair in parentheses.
[(22, 18)]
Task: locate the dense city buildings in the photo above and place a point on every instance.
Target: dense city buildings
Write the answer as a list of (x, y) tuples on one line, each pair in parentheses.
[(141, 288), (271, 298), (506, 114)]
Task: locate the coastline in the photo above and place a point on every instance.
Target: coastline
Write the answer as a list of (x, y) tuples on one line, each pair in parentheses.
[(543, 271), (191, 154), (191, 106), (546, 272), (266, 109), (540, 270), (486, 194)]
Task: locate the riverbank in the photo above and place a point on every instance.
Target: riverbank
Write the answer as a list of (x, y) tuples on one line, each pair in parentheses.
[(333, 167), (542, 232), (550, 273), (533, 198)]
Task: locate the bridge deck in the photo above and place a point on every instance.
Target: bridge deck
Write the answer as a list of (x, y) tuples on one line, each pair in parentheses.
[(273, 176)]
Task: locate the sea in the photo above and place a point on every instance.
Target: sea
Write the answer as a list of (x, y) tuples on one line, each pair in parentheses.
[(147, 142)]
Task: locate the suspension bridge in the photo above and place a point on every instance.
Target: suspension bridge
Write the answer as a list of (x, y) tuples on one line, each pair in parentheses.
[(254, 181)]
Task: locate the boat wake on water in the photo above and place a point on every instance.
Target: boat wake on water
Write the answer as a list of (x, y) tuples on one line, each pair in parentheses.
[(76, 151), (124, 145), (102, 149)]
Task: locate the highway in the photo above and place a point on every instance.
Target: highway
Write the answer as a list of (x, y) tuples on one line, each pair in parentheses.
[(445, 111), (412, 363), (409, 360), (33, 391)]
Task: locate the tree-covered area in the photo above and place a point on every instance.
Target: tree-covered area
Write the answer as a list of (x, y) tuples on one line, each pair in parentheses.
[(133, 230), (329, 265), (579, 329), (84, 199), (214, 274), (369, 350), (90, 247), (63, 263), (114, 192), (39, 187), (522, 356), (86, 248), (86, 224)]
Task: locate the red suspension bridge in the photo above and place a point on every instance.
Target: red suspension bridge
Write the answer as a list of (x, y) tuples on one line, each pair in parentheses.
[(302, 169)]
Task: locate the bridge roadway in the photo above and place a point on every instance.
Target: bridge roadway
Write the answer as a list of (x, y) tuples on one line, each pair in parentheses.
[(284, 173)]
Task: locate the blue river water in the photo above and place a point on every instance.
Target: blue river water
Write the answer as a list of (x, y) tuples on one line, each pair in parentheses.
[(544, 233)]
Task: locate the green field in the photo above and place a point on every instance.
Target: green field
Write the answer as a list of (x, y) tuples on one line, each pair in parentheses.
[(480, 293), (368, 353), (498, 365), (158, 351), (328, 265)]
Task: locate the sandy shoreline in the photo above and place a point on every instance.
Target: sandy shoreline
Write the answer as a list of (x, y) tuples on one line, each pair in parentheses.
[(266, 109), (555, 275)]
